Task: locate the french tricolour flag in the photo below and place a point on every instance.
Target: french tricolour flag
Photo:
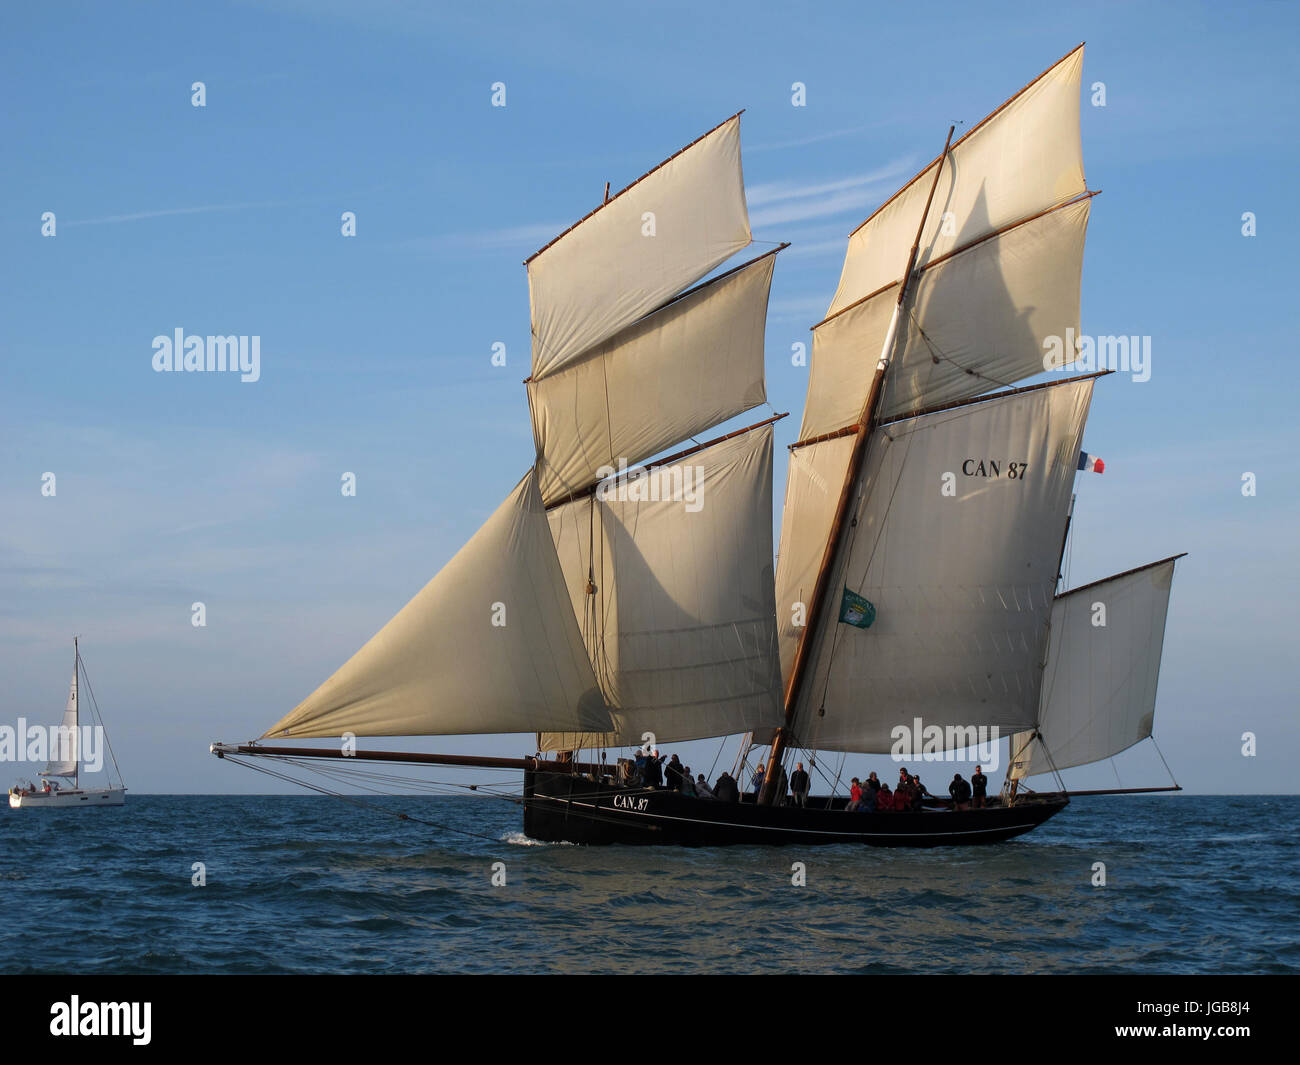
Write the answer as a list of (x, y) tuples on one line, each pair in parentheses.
[(1091, 463)]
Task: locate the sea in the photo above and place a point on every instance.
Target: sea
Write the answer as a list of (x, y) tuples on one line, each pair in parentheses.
[(322, 884)]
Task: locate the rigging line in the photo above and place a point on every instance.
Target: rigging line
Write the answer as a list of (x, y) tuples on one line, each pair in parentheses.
[(936, 354), (353, 777), (100, 717), (357, 802), (1162, 759), (721, 747), (349, 774)]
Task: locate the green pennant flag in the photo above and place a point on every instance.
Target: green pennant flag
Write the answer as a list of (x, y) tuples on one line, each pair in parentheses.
[(856, 611)]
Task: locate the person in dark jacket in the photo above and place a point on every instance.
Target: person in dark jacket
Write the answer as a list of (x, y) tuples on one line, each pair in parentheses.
[(800, 784), (726, 790), (979, 785), (654, 770), (873, 782), (673, 774), (959, 789)]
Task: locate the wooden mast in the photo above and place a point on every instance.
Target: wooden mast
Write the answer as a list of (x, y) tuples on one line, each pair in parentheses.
[(866, 422)]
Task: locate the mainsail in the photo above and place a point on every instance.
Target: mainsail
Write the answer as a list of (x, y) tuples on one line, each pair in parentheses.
[(1103, 664), (64, 756), (955, 540)]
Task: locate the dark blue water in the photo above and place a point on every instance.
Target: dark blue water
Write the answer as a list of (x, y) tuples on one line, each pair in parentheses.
[(315, 884)]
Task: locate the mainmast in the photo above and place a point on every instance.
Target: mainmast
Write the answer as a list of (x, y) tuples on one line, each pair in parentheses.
[(865, 424), (76, 711)]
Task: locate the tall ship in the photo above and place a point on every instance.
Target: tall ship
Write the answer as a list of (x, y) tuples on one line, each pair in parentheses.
[(624, 595), (61, 784)]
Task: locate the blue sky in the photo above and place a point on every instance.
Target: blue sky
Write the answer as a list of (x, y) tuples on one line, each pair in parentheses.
[(375, 351)]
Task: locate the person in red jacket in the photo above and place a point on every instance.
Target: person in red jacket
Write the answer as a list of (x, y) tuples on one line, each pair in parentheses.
[(855, 796), (884, 798)]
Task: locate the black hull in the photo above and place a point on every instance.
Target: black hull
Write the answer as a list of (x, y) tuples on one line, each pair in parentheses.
[(566, 808)]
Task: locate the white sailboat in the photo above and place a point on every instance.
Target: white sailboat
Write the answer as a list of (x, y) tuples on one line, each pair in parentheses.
[(65, 762)]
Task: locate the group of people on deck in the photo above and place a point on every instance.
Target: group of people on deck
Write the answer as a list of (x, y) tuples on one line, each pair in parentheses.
[(871, 795), (648, 769)]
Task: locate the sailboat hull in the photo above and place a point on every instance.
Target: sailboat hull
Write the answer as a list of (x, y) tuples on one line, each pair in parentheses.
[(574, 809), (82, 797)]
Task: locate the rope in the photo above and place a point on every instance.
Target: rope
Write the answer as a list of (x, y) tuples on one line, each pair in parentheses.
[(1162, 760), (357, 802), (100, 718), (936, 355)]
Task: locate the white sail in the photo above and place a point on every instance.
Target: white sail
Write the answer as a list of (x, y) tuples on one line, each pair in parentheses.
[(489, 645), (64, 756), (959, 520), (1022, 159), (657, 236), (681, 622), (669, 376), (1103, 664), (814, 482), (973, 322)]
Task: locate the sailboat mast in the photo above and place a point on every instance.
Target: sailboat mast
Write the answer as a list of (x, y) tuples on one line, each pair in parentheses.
[(76, 711), (866, 422)]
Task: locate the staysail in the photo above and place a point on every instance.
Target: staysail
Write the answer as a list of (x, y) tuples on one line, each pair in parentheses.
[(489, 645), (69, 737), (671, 574), (1103, 664)]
